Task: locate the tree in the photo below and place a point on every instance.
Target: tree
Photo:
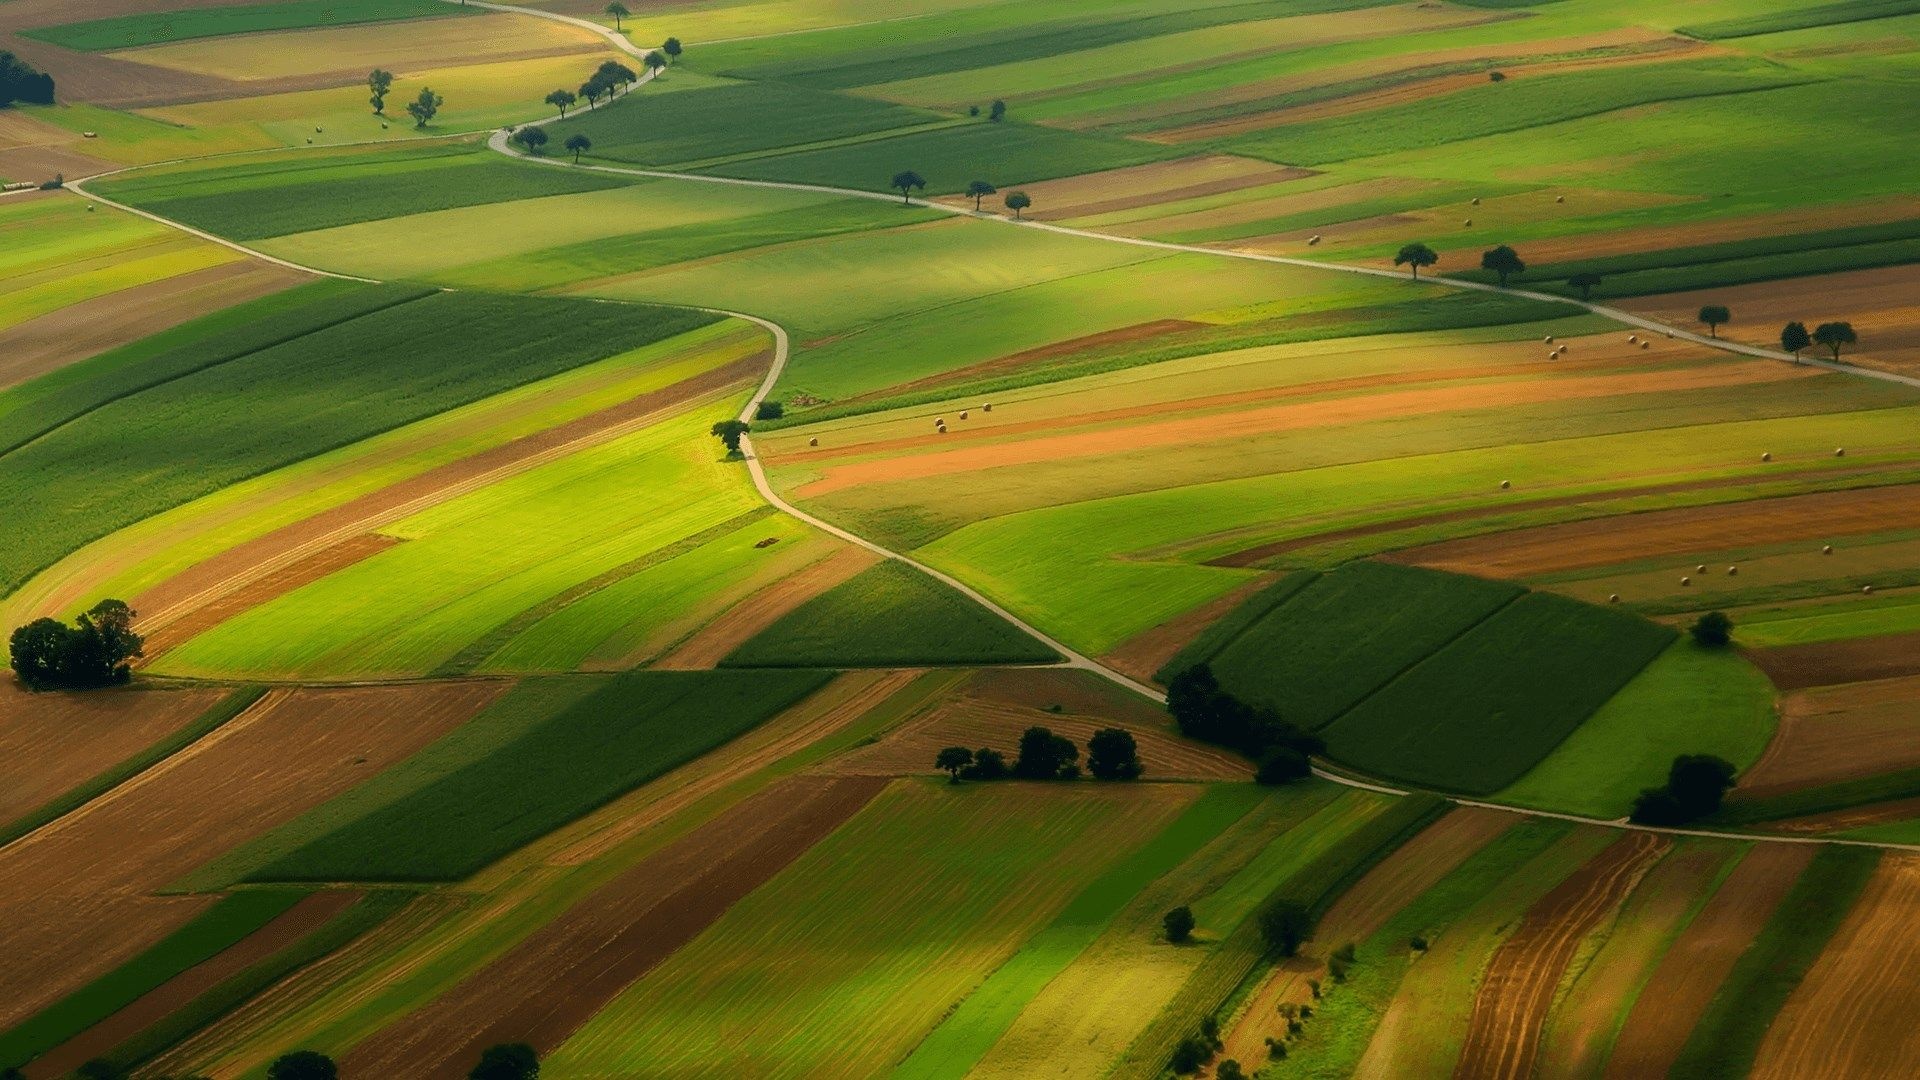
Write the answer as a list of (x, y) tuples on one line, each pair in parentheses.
[(619, 11), (729, 432), (303, 1065), (579, 144), (95, 651), (612, 73), (593, 89), (769, 410), (1586, 282), (1696, 785), (100, 1069), (425, 107), (531, 137), (1833, 335), (1284, 925), (1503, 261), (997, 111), (1416, 256), (952, 760), (1714, 315), (379, 82), (1283, 765), (1191, 1055), (1017, 201), (906, 182), (672, 48), (21, 81), (507, 1061), (1178, 924), (1046, 756), (562, 99), (1713, 630), (655, 61), (1229, 1070), (988, 764), (979, 189), (1794, 337), (1113, 755)]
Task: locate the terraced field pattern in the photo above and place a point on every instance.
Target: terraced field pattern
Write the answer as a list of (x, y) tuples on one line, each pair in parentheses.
[(939, 539)]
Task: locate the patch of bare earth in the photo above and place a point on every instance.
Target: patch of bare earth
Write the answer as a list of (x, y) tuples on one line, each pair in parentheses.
[(52, 742), (78, 894), (1839, 733), (176, 993), (1690, 974), (548, 985), (1830, 663), (1143, 654)]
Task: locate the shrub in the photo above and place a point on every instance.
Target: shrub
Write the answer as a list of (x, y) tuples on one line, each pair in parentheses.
[(1113, 755), (1229, 1070), (303, 1065), (1284, 925), (1713, 630), (769, 410), (1178, 924), (1192, 1053), (1283, 765), (507, 1061)]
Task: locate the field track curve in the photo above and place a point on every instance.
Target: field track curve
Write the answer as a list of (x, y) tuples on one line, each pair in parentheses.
[(1072, 658)]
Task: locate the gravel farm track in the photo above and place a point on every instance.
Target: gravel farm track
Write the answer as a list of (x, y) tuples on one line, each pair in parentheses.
[(498, 142)]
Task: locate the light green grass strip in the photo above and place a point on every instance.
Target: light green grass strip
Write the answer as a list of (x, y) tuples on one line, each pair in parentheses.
[(959, 1043), (226, 709)]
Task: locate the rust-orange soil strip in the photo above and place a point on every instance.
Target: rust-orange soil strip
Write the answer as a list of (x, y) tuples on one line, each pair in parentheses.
[(262, 590), (78, 893), (1510, 1009), (1664, 1014), (544, 988), (162, 1001)]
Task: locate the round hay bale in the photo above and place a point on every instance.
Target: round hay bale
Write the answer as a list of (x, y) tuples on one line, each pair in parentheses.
[(988, 407), (1469, 221), (1701, 569), (1633, 339), (1686, 581), (1866, 588), (1505, 484), (1613, 598), (813, 442), (1826, 549), (1554, 355), (963, 414), (1766, 455), (1313, 240), (1839, 451), (1559, 198), (1733, 571), (1548, 339), (1476, 200), (1644, 344), (939, 421)]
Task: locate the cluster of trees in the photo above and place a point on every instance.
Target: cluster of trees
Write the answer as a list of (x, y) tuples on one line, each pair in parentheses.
[(20, 81), (605, 82), (1111, 755), (535, 140), (422, 109), (1696, 785), (1206, 712), (1833, 335), (95, 651)]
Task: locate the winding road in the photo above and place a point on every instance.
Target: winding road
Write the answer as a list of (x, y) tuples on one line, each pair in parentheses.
[(499, 141)]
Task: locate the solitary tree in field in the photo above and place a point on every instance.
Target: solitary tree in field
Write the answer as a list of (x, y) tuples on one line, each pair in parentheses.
[(1835, 334), (507, 1061), (997, 111), (1416, 256), (1586, 283), (729, 432), (906, 182), (303, 1065), (672, 48), (425, 107), (1794, 337), (579, 144), (1178, 924), (952, 760), (618, 11), (979, 189), (1284, 925), (656, 62), (1018, 201), (379, 81), (1713, 630), (1503, 261), (533, 138), (562, 100), (1113, 755), (1714, 315)]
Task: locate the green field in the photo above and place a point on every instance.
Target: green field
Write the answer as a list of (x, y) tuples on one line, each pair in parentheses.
[(1488, 706), (1348, 634), (1808, 16), (154, 28), (450, 814), (889, 615)]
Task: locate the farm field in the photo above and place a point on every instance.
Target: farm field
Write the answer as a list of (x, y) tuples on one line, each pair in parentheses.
[(953, 539)]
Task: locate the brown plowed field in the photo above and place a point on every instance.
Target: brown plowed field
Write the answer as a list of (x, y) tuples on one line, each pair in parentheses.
[(1854, 817), (1526, 553), (50, 743), (714, 641), (1145, 653), (1224, 427), (77, 894), (157, 1004), (1829, 663), (261, 590), (543, 989), (1673, 1000), (910, 750), (1883, 306), (1503, 1037), (1077, 693), (1839, 733), (1856, 1013), (90, 327), (240, 565)]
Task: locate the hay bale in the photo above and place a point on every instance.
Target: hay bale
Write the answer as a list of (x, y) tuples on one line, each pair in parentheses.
[(1613, 598), (1839, 451), (1633, 339), (813, 442), (1685, 581), (939, 421), (1469, 221), (988, 407), (1548, 339), (1644, 344), (1559, 198), (1826, 549), (1476, 200), (1314, 240), (1505, 484), (1866, 588), (1766, 456), (963, 414), (1733, 571)]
